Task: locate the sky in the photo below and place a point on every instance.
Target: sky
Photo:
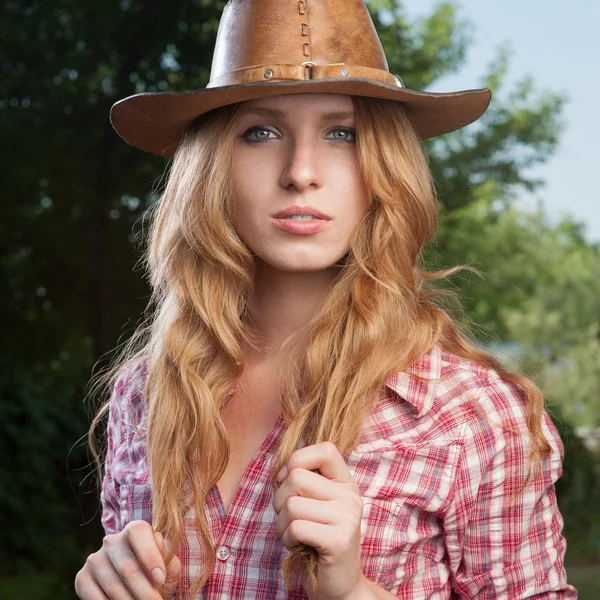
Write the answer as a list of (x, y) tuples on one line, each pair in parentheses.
[(558, 43)]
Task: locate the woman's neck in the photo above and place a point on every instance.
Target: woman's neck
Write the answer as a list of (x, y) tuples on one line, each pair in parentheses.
[(282, 303)]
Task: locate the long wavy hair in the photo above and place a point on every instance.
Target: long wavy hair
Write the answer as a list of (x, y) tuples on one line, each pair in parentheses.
[(382, 313)]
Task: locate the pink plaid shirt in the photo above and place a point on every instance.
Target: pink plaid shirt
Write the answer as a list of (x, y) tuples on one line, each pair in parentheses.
[(435, 480)]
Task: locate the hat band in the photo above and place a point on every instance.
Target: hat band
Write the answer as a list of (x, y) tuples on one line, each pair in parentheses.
[(308, 70)]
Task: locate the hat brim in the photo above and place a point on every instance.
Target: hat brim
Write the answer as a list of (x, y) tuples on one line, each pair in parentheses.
[(154, 121)]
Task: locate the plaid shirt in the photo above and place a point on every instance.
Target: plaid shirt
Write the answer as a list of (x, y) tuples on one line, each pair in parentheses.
[(435, 477)]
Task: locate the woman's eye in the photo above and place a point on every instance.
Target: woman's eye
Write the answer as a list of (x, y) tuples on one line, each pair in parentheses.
[(259, 138), (340, 134), (348, 134)]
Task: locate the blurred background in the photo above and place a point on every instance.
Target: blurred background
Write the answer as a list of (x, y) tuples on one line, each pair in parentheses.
[(518, 200)]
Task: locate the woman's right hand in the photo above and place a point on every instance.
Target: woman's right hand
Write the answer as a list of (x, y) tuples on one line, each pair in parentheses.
[(124, 568)]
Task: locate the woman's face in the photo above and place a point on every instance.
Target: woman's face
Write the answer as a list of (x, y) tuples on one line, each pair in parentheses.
[(290, 151)]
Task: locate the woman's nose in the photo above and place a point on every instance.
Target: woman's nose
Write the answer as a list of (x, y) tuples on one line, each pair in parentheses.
[(301, 166)]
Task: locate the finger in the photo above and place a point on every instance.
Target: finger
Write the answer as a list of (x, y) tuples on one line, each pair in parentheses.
[(160, 542), (107, 577), (307, 509), (87, 588), (174, 567), (317, 535), (141, 538), (129, 570), (325, 457), (301, 482), (93, 591)]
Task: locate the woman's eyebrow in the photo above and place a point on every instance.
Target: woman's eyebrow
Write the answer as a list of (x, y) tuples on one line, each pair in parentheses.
[(330, 116)]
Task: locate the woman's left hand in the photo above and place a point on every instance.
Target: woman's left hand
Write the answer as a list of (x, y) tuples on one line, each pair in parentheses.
[(323, 510)]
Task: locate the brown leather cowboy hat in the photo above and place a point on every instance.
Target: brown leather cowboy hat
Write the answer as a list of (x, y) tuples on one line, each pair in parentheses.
[(272, 47)]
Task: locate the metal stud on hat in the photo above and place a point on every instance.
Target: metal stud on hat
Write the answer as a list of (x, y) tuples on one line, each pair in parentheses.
[(273, 47)]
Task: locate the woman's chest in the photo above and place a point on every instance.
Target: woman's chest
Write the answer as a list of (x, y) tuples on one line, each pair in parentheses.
[(249, 417), (405, 490), (406, 486)]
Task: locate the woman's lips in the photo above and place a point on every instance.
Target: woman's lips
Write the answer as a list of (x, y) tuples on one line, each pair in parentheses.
[(300, 227)]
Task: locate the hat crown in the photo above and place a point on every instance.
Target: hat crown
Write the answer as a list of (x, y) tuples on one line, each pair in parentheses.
[(268, 33)]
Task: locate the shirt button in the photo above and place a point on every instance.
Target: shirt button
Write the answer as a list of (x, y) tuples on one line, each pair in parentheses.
[(223, 552)]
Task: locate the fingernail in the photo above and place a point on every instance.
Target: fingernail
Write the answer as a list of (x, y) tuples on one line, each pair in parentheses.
[(158, 575), (282, 474)]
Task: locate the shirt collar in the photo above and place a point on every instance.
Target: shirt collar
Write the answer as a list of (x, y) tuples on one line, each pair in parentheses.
[(418, 383)]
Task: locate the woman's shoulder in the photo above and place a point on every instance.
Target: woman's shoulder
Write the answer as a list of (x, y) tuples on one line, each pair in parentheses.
[(443, 396), (443, 382), (448, 383), (487, 401)]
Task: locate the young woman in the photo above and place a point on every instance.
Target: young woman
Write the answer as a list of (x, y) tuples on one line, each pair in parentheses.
[(300, 418)]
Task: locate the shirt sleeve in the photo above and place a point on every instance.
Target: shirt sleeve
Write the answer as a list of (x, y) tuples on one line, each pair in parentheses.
[(125, 465), (503, 544), (109, 496)]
